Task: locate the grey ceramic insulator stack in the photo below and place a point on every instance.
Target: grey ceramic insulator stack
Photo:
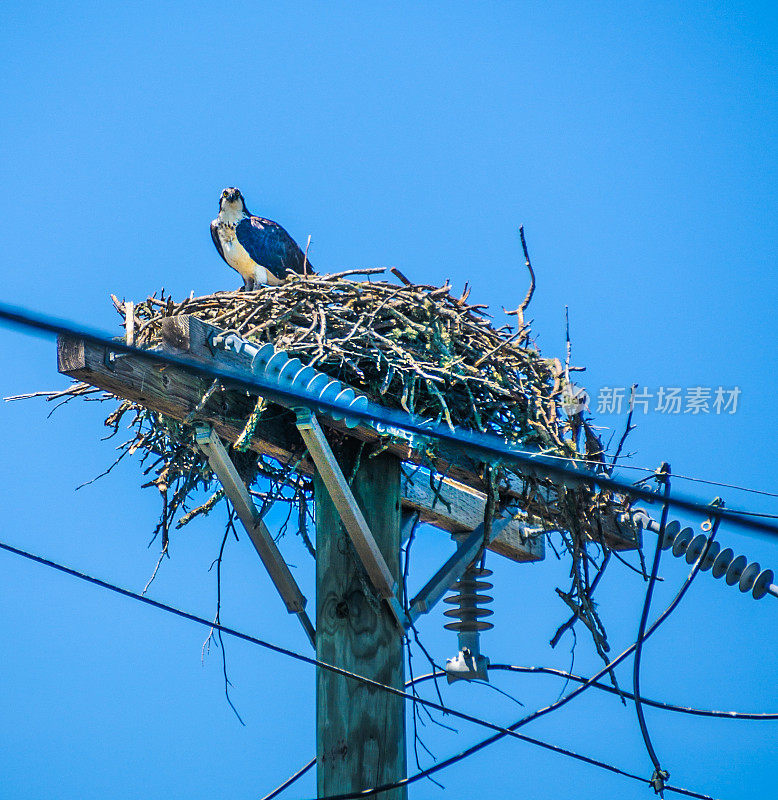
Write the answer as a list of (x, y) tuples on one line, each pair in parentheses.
[(469, 601), (722, 562)]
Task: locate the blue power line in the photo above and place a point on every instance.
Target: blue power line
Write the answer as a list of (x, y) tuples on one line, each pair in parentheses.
[(482, 446)]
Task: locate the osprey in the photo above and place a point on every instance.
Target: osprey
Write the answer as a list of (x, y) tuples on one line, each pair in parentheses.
[(259, 249)]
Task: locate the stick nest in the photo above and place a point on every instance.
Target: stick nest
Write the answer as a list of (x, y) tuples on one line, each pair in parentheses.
[(410, 347), (413, 347)]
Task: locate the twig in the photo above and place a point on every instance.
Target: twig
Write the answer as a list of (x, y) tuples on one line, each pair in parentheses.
[(365, 271), (519, 312), (217, 619), (396, 272), (629, 427)]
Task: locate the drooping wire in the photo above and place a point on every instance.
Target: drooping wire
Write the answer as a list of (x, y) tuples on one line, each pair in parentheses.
[(698, 712), (290, 780), (470, 751), (568, 676), (650, 471), (660, 775), (501, 731), (584, 686), (415, 714), (725, 486), (754, 514), (253, 639), (473, 442), (268, 645)]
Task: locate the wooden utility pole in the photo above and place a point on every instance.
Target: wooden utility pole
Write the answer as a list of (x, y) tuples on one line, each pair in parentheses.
[(359, 620), (360, 731)]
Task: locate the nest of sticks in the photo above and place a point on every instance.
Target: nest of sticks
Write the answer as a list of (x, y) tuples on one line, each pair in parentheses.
[(413, 347), (410, 347)]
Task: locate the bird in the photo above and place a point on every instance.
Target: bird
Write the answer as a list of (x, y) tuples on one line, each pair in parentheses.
[(260, 250)]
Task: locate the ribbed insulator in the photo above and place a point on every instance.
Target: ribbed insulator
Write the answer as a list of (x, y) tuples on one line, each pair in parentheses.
[(722, 563), (468, 599), (290, 373), (276, 365)]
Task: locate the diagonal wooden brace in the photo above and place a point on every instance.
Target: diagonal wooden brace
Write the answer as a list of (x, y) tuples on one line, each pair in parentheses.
[(260, 536), (350, 514)]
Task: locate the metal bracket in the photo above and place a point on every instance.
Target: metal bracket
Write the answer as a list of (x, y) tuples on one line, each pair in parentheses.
[(260, 536), (350, 513), (467, 666), (432, 591), (408, 522)]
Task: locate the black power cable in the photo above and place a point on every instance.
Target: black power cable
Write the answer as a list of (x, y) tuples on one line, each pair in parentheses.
[(568, 676), (660, 776), (291, 779), (606, 687), (501, 731)]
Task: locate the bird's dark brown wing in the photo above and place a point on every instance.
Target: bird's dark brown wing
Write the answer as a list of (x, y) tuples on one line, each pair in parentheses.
[(271, 246), (217, 242)]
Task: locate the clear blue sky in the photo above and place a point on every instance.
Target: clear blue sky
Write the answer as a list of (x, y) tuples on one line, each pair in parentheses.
[(634, 141)]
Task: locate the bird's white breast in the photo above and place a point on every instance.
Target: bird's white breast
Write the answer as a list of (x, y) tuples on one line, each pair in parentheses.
[(235, 253)]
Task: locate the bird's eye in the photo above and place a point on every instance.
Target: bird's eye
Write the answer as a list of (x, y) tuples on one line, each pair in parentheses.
[(224, 194)]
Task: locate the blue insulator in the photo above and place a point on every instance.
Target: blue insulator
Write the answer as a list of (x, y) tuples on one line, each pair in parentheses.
[(749, 576), (682, 541), (304, 377), (288, 371), (695, 548), (360, 402), (671, 531), (762, 584), (317, 384), (344, 397), (710, 557), (735, 570), (276, 365), (468, 599), (722, 562), (262, 356), (330, 391)]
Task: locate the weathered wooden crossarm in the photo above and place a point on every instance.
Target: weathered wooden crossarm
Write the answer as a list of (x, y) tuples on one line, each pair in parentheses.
[(189, 335), (458, 508), (176, 393)]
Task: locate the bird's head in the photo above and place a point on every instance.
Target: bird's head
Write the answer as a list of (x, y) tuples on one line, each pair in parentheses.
[(232, 201)]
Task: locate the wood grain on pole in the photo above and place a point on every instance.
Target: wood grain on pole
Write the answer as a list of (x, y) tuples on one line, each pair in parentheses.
[(360, 730)]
